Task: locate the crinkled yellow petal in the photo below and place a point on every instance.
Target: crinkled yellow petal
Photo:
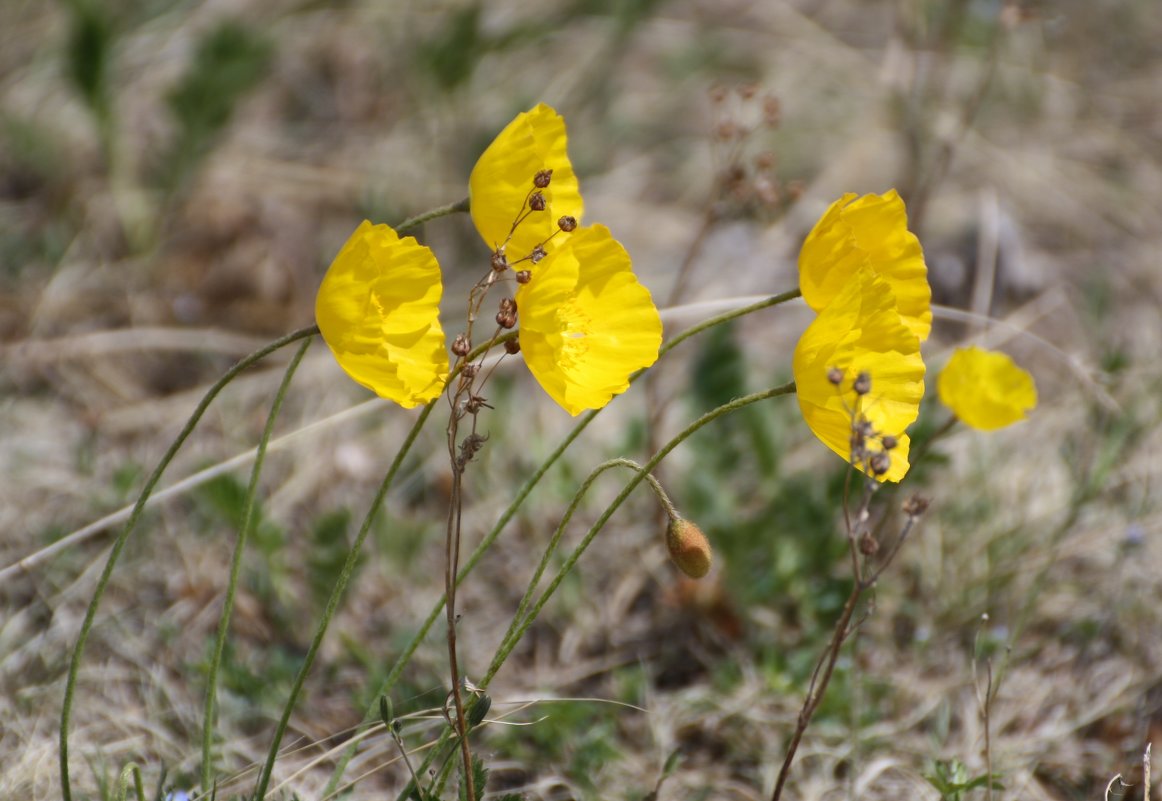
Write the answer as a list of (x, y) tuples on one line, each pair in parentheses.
[(586, 324), (378, 310), (502, 179), (868, 232), (986, 389), (860, 331)]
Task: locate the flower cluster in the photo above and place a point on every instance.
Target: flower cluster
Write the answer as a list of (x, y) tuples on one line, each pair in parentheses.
[(863, 272), (586, 323)]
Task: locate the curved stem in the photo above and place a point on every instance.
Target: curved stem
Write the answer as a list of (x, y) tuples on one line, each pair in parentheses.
[(131, 524), (236, 567), (709, 417), (555, 540), (333, 601), (442, 211)]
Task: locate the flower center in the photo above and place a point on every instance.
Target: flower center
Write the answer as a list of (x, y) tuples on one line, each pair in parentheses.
[(575, 325)]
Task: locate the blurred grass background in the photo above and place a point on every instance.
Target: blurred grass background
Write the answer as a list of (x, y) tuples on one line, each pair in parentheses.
[(174, 179)]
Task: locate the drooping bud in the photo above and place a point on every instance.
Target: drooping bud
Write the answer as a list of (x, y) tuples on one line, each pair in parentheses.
[(688, 547), (537, 202), (461, 345), (542, 178), (567, 223)]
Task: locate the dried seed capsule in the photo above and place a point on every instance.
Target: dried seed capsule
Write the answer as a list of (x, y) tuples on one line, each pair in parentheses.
[(542, 178), (880, 462), (537, 254), (506, 317), (688, 547), (523, 276), (835, 376), (512, 346), (499, 262), (889, 442), (537, 202), (461, 345), (862, 384), (567, 223)]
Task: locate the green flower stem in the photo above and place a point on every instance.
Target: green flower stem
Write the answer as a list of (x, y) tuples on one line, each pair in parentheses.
[(131, 524), (551, 548), (236, 567), (336, 597), (131, 773), (508, 645), (442, 211), (413, 645)]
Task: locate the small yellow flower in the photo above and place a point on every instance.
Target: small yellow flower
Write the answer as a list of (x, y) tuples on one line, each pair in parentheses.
[(502, 180), (586, 324), (378, 310), (861, 331), (870, 232), (986, 389)]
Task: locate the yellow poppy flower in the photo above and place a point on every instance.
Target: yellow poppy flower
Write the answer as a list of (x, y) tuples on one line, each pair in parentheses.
[(861, 332), (378, 310), (502, 181), (985, 389), (870, 232), (586, 324)]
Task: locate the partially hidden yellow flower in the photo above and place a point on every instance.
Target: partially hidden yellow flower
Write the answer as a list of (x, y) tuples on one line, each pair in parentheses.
[(869, 232), (501, 181), (586, 324), (986, 389), (378, 310), (861, 331)]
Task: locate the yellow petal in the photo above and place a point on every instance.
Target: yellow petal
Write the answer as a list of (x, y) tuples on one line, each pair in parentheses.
[(586, 324), (378, 310), (861, 331), (869, 232), (985, 389), (502, 179)]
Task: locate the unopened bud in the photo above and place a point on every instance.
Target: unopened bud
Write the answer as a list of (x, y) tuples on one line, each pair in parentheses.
[(512, 346), (542, 178), (835, 376), (688, 547), (567, 223), (862, 384), (523, 276), (499, 262), (537, 202), (461, 345)]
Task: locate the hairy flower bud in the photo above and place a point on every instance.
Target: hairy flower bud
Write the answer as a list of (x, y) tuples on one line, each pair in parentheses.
[(688, 547)]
